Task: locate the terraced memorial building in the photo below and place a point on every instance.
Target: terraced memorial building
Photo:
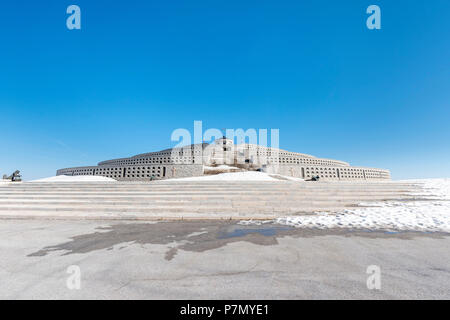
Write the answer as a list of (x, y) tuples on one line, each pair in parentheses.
[(198, 159)]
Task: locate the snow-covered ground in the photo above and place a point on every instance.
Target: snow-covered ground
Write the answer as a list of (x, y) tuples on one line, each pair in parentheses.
[(430, 214), (221, 167), (63, 178), (231, 176), (280, 177), (4, 181)]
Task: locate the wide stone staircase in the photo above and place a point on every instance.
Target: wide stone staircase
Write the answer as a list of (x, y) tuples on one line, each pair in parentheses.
[(191, 199)]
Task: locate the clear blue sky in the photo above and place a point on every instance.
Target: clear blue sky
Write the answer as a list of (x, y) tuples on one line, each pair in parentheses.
[(137, 70)]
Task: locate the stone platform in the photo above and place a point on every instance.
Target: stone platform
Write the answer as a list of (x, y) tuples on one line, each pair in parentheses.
[(191, 199)]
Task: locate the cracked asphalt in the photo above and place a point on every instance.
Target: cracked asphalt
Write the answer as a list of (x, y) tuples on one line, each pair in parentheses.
[(216, 260)]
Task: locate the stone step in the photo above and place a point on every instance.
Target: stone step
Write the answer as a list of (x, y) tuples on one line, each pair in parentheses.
[(160, 215), (215, 185), (240, 188), (193, 191), (229, 182), (208, 184), (135, 198), (185, 203), (204, 197), (212, 199), (16, 190), (208, 192), (217, 182), (11, 210)]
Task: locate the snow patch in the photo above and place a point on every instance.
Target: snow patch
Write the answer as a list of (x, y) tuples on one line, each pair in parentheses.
[(4, 181), (430, 214), (221, 167), (281, 177)]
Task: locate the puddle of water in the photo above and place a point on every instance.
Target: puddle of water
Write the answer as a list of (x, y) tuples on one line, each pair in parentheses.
[(242, 231), (193, 236)]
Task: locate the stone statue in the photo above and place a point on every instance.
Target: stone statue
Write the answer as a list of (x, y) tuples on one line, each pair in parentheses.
[(14, 177)]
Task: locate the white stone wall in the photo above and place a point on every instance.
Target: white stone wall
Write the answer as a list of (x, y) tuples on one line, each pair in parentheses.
[(329, 173), (138, 172)]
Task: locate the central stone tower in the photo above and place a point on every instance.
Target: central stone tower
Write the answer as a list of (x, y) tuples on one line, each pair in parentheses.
[(223, 152)]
